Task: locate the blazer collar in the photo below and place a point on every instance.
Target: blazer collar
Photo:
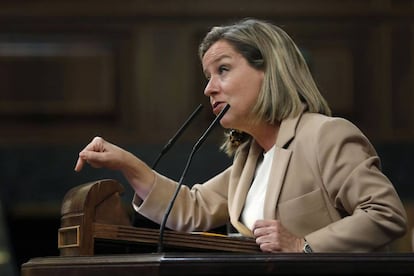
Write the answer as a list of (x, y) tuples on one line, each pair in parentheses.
[(287, 129)]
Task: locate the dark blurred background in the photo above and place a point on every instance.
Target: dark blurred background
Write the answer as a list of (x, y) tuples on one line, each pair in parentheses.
[(128, 70)]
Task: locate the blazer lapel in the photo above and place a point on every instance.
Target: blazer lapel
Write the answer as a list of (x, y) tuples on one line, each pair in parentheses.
[(245, 180), (243, 187), (275, 182), (280, 164), (276, 178)]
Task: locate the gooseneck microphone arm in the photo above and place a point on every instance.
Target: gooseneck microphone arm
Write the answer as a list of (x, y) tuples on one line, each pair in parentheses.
[(177, 134), (167, 146), (196, 146)]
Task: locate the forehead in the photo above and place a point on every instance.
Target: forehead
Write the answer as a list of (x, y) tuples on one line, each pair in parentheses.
[(217, 51)]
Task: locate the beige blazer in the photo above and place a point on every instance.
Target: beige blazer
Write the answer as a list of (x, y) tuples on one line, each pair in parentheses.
[(325, 185)]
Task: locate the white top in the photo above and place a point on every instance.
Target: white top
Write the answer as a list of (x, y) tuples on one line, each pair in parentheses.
[(254, 205)]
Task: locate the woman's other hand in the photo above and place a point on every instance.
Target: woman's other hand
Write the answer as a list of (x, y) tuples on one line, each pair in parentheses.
[(272, 237)]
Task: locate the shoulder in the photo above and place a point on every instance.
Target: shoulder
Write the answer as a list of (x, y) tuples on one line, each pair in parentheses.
[(321, 125), (320, 131), (329, 135)]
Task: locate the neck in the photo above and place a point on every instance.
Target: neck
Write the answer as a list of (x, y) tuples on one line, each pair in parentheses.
[(265, 135)]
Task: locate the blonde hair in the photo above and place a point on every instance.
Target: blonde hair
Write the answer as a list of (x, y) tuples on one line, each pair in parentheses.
[(287, 84)]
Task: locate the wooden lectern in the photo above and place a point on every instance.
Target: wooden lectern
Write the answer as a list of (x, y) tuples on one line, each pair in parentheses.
[(93, 218), (96, 238)]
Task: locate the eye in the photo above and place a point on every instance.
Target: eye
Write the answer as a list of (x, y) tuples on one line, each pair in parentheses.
[(222, 69)]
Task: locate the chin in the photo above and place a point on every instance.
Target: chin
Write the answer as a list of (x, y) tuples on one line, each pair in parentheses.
[(228, 122), (224, 123)]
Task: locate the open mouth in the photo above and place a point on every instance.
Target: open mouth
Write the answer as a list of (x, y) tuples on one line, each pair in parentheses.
[(217, 107)]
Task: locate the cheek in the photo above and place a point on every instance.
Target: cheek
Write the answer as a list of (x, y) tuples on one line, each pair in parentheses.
[(254, 89), (250, 86)]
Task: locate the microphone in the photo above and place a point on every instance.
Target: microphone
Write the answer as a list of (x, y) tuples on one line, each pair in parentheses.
[(196, 146), (168, 146), (171, 142)]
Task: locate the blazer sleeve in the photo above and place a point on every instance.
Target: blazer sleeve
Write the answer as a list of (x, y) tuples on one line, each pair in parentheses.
[(200, 208), (351, 174)]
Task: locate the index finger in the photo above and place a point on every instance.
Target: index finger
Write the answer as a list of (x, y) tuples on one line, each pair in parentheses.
[(94, 145), (79, 164)]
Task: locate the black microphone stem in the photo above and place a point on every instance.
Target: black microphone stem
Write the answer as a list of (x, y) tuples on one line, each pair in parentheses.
[(194, 150), (177, 134), (167, 146)]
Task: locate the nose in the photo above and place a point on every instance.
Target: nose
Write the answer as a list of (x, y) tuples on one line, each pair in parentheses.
[(211, 87)]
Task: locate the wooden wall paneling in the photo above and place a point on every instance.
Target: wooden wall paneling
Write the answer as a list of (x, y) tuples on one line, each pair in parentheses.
[(163, 72), (59, 85), (197, 8), (376, 118), (137, 88), (333, 66), (402, 70), (334, 54), (126, 89), (56, 77)]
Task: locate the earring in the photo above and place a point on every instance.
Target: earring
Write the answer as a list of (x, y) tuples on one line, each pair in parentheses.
[(236, 137)]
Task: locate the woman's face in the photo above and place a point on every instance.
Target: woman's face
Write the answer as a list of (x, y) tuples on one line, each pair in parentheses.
[(231, 80)]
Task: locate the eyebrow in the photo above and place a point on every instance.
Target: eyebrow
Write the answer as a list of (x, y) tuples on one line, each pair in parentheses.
[(219, 58)]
